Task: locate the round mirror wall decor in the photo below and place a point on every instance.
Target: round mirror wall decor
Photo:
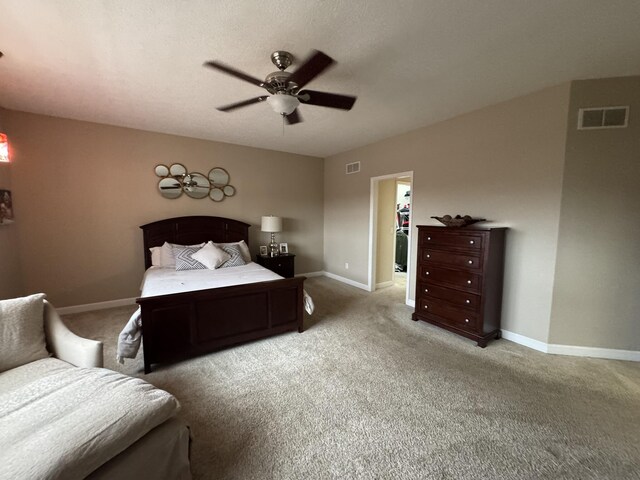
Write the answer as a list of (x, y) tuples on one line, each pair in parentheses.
[(216, 194), (162, 170), (218, 177), (196, 185), (177, 170), (170, 187), (176, 179)]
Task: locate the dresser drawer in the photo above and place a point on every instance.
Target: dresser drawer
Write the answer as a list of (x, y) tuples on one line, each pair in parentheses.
[(449, 315), (458, 260), (470, 241), (455, 297), (468, 281)]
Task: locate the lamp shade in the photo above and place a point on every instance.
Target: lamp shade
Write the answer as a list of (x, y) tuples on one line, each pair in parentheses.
[(271, 224), (282, 103)]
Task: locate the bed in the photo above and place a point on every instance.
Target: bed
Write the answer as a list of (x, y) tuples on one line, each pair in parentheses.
[(188, 323)]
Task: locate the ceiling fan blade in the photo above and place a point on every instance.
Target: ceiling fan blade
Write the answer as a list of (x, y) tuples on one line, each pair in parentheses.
[(232, 71), (294, 117), (323, 99), (170, 187), (233, 106), (311, 68)]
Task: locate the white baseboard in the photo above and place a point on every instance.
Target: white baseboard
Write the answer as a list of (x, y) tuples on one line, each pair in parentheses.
[(384, 284), (96, 306), (526, 341), (348, 281), (572, 350), (595, 352), (411, 303)]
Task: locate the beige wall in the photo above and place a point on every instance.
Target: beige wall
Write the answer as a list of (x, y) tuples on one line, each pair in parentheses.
[(386, 228), (503, 163), (596, 299), (82, 189), (10, 273)]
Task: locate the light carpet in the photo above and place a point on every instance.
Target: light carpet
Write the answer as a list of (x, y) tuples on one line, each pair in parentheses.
[(367, 393)]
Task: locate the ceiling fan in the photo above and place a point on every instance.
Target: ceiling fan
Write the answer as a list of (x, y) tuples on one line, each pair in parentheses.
[(285, 87)]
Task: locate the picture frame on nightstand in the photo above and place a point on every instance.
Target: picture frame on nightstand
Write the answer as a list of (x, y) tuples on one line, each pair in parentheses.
[(263, 250), (284, 248)]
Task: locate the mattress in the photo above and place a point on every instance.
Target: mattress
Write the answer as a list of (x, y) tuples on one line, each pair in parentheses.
[(163, 281)]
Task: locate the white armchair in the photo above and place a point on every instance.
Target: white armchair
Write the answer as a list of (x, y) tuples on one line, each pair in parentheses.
[(66, 345)]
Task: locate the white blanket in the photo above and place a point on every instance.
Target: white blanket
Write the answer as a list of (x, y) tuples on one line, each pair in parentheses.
[(60, 421), (163, 281)]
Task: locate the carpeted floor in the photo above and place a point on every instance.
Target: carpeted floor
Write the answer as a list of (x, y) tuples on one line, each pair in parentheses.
[(367, 393)]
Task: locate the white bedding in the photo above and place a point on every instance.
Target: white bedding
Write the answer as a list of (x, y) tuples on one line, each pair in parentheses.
[(60, 421), (164, 281)]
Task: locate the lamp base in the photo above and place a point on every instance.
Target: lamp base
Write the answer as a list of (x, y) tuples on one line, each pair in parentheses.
[(274, 250)]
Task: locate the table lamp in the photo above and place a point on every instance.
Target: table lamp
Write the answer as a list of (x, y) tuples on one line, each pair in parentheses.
[(271, 224)]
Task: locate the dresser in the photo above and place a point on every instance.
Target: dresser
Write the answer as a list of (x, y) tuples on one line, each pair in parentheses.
[(283, 264), (459, 280)]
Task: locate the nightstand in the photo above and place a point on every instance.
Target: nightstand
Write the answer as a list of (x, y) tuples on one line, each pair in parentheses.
[(283, 264)]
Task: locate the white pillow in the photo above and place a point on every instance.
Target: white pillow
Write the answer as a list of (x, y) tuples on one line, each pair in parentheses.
[(156, 255), (22, 331), (167, 257), (211, 256), (244, 249)]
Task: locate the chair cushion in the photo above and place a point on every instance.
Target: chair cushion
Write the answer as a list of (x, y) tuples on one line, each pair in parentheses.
[(22, 331)]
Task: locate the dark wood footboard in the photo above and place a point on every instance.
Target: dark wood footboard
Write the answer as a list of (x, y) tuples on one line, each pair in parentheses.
[(183, 325)]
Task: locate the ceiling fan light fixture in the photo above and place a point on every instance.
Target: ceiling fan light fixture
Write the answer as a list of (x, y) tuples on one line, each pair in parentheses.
[(283, 103)]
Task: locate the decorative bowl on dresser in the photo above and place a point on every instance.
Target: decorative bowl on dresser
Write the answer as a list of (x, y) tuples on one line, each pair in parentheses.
[(459, 280)]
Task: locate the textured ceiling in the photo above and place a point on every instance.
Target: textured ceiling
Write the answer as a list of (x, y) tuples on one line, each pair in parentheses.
[(411, 63)]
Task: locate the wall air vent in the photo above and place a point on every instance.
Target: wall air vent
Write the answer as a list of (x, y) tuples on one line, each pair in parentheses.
[(353, 167), (603, 117)]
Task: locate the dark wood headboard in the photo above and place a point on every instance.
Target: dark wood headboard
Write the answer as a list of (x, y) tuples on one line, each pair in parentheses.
[(191, 230)]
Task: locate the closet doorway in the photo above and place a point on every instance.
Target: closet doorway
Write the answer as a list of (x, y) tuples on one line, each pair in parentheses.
[(390, 232)]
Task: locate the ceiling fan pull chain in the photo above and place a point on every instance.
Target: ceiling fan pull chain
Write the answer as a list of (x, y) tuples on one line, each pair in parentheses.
[(282, 125)]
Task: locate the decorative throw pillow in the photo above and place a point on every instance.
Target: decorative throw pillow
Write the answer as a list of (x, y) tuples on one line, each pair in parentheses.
[(211, 256), (22, 331), (156, 256), (236, 259), (184, 260), (167, 256), (244, 249)]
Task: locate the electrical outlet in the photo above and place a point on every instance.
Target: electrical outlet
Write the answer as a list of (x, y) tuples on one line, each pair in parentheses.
[(346, 265)]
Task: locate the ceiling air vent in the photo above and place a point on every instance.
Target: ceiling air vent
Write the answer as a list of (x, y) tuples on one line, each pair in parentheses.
[(353, 167), (603, 117)]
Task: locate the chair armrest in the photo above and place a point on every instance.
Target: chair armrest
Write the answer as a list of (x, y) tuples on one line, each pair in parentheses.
[(66, 345)]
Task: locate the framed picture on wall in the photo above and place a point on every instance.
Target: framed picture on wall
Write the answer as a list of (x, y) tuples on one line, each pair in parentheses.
[(263, 250), (284, 248), (6, 207)]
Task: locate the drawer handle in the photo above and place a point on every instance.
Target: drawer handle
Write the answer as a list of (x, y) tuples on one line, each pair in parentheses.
[(469, 282), (467, 301), (428, 256), (426, 290), (471, 242), (466, 320), (426, 306), (470, 262), (279, 264), (426, 273), (428, 238)]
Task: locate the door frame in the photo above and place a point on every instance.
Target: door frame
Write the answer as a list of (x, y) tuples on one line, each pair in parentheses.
[(373, 228)]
